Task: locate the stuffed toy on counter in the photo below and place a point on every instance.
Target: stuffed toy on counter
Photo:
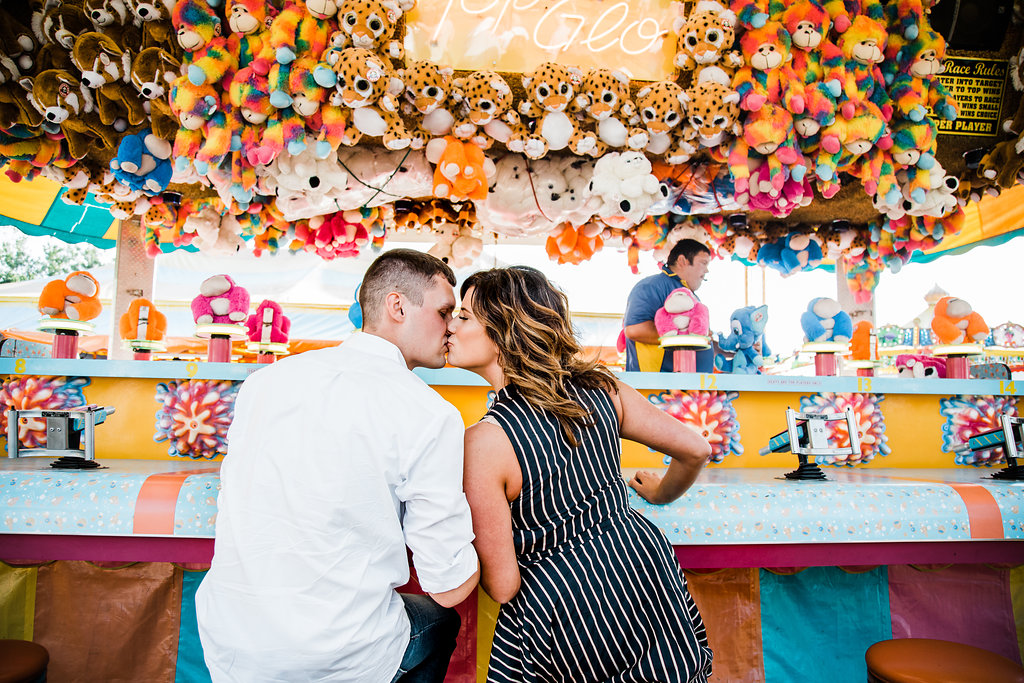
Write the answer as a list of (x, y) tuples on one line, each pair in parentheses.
[(745, 341), (75, 297), (131, 321), (825, 321), (956, 322), (682, 313), (221, 301), (276, 332)]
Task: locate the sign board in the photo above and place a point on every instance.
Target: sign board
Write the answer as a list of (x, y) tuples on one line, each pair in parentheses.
[(633, 36), (978, 86)]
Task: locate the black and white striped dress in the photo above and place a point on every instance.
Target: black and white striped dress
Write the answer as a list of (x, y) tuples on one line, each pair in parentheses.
[(602, 596)]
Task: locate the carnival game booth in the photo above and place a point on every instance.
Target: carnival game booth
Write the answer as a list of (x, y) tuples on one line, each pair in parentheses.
[(257, 127)]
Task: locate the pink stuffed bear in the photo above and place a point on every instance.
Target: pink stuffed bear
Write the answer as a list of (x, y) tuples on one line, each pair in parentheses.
[(220, 300), (268, 324), (682, 313), (918, 366)]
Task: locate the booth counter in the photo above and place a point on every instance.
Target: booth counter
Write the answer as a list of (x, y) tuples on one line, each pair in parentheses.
[(905, 537)]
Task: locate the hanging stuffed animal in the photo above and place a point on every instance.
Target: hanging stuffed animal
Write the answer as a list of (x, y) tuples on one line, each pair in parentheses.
[(64, 101), (75, 297), (427, 87), (56, 32), (204, 138), (249, 22), (662, 108), (485, 112), (143, 162), (199, 34), (112, 18), (863, 49), (153, 70), (816, 61), (550, 89), (369, 24), (106, 68), (370, 89), (155, 17), (714, 113), (605, 101), (768, 76), (917, 88), (301, 28), (705, 39)]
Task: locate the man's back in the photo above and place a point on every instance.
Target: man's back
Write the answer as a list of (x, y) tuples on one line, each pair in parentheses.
[(326, 454)]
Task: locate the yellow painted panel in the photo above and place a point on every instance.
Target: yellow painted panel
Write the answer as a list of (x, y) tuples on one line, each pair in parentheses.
[(28, 201)]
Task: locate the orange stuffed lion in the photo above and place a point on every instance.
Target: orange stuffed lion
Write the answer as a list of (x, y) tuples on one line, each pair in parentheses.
[(76, 297), (156, 322), (955, 322)]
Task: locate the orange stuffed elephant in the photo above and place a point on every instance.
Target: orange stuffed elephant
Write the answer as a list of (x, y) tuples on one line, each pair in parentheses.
[(156, 322), (955, 322), (76, 297)]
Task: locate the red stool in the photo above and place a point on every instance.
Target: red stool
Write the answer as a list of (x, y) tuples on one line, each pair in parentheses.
[(22, 661), (923, 660)]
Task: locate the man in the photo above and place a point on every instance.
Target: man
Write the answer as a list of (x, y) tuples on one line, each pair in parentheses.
[(686, 266), (337, 460)]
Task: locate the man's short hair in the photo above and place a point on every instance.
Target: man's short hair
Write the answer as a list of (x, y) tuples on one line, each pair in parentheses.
[(688, 249), (407, 271)]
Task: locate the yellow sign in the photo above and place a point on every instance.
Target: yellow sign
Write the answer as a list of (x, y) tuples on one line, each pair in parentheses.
[(634, 37), (977, 85)]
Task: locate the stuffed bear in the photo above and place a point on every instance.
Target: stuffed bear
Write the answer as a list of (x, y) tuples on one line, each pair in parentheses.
[(624, 184), (153, 70), (485, 112), (919, 366), (745, 340), (825, 321), (143, 162), (705, 38), (305, 184), (199, 34), (155, 19), (682, 313), (268, 324), (106, 68), (550, 90), (427, 87), (662, 108), (370, 88), (133, 325), (955, 322), (76, 297), (64, 101), (220, 300), (455, 245), (249, 22), (604, 98)]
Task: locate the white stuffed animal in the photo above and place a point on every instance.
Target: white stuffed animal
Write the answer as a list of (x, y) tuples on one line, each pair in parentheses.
[(305, 185), (222, 237), (383, 177), (626, 188)]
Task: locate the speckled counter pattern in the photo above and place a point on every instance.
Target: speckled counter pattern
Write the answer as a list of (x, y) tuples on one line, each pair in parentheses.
[(725, 506)]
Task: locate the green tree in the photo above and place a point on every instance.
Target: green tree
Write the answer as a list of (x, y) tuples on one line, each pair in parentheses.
[(17, 262)]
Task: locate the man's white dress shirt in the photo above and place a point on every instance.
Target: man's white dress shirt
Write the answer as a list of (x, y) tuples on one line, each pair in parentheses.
[(337, 459)]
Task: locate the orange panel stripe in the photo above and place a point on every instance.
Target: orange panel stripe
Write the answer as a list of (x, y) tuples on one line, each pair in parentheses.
[(983, 515), (154, 508)]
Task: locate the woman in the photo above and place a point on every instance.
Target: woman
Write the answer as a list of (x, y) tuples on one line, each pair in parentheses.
[(590, 590)]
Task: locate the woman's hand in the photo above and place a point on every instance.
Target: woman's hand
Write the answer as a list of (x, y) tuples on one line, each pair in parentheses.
[(647, 486)]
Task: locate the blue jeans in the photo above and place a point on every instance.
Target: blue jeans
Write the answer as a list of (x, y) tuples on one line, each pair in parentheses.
[(431, 640)]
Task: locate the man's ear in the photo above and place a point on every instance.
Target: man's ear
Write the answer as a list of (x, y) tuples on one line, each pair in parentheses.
[(394, 306)]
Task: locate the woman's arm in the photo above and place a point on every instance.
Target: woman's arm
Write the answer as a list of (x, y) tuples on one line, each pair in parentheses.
[(641, 421), (491, 479)]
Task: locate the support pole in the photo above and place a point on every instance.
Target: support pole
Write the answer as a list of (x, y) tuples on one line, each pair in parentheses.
[(134, 276)]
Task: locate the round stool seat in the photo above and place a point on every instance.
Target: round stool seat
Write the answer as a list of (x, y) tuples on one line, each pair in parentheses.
[(923, 660), (22, 661)]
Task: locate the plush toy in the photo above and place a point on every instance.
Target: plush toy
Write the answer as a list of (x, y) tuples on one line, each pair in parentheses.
[(662, 108), (204, 138), (1015, 125), (269, 324), (153, 70), (220, 300), (568, 244), (112, 18), (295, 31), (863, 343), (825, 321), (912, 153), (682, 313), (763, 196), (370, 88), (455, 245), (624, 184), (427, 87), (705, 38), (106, 68), (155, 17), (249, 21), (143, 162), (17, 43), (768, 76), (370, 25), (863, 49), (745, 340), (55, 33), (76, 297), (314, 103), (134, 324), (919, 366), (955, 322), (816, 60), (861, 140), (917, 87), (1003, 165), (485, 112), (550, 90), (64, 101), (714, 113), (604, 102), (462, 171), (305, 184), (381, 178), (199, 34), (767, 139)]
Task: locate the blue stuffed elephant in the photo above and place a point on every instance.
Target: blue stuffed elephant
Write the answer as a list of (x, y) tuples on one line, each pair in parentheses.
[(746, 340)]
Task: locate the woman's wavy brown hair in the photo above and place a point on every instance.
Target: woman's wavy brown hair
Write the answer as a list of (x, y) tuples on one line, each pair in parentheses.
[(527, 318)]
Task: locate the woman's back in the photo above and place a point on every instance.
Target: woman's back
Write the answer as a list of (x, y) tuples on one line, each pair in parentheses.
[(602, 595)]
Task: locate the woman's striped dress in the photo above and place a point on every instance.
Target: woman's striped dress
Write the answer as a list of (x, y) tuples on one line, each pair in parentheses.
[(602, 597)]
